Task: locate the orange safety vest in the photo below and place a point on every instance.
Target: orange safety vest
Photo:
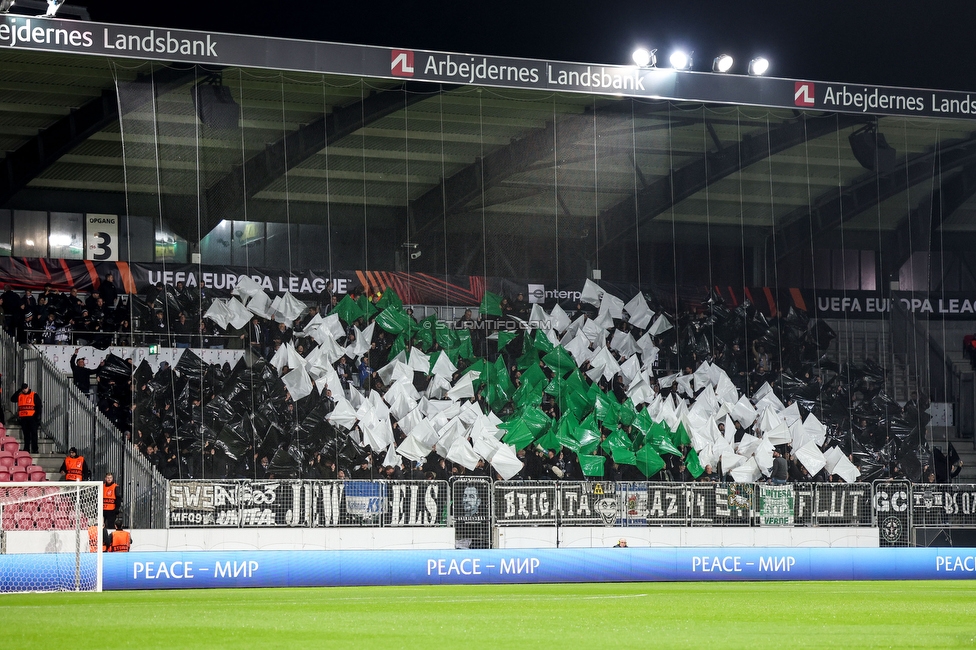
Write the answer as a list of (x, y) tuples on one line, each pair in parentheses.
[(73, 465), (121, 540), (108, 496), (25, 405), (93, 539)]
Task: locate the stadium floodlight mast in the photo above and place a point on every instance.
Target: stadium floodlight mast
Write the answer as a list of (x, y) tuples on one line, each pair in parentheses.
[(758, 66), (722, 63), (681, 60), (645, 58)]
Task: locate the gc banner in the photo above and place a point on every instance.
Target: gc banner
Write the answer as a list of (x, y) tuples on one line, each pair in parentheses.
[(892, 512)]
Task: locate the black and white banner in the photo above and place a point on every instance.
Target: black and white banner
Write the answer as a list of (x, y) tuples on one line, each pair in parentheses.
[(951, 506), (269, 503), (892, 512), (524, 502), (587, 504), (833, 504)]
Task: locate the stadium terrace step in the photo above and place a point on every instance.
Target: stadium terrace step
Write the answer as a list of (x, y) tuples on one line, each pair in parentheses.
[(47, 457)]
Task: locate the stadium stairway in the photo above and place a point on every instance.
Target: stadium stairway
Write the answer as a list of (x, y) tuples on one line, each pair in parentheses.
[(47, 457)]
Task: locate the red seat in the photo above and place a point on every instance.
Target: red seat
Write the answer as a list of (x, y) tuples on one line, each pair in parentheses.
[(19, 476), (8, 522), (25, 520), (34, 492), (22, 454), (47, 506), (62, 523), (44, 522), (10, 444), (7, 461), (4, 476), (37, 475)]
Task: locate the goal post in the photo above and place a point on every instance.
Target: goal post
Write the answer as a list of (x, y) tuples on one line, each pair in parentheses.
[(51, 536)]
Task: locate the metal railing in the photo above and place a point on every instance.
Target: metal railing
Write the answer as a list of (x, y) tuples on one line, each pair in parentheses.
[(137, 339), (71, 419)]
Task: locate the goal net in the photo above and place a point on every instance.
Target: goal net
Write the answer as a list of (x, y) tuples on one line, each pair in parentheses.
[(51, 537)]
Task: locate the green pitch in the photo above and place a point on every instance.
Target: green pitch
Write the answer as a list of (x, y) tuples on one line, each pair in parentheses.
[(571, 617)]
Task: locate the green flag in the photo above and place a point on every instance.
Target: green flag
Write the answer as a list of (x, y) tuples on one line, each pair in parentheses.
[(425, 332), (649, 462), (535, 420), (542, 343), (680, 436), (504, 338), (394, 320), (591, 465), (559, 361), (348, 310), (627, 413), (624, 456), (517, 434), (491, 304), (399, 345), (389, 299), (617, 440), (550, 441), (693, 463)]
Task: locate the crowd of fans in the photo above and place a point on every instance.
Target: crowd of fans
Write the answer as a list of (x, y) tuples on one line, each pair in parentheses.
[(199, 421), (183, 422)]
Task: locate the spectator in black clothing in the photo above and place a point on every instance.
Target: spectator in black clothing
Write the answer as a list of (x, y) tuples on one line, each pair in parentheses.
[(80, 374), (182, 331), (10, 302), (108, 290)]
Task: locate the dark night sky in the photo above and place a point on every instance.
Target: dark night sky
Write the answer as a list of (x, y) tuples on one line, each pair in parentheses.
[(900, 43)]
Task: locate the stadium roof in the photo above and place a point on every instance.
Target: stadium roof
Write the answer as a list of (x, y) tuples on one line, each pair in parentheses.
[(337, 127)]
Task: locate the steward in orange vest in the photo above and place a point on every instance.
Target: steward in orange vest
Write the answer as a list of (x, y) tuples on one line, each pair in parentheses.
[(111, 500), (29, 412), (121, 540), (73, 468)]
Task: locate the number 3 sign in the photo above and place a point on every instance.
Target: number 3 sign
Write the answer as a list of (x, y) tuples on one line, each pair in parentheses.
[(102, 232)]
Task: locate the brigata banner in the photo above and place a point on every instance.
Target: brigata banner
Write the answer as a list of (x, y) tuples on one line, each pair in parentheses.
[(195, 570), (525, 502), (219, 49), (306, 503), (587, 503)]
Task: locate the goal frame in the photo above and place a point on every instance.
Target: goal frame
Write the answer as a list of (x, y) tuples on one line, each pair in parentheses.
[(81, 533)]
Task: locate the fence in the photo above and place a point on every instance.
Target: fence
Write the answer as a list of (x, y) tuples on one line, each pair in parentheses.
[(70, 419), (474, 506)]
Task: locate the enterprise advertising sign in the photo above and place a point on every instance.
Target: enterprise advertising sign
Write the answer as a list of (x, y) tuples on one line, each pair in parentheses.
[(214, 48)]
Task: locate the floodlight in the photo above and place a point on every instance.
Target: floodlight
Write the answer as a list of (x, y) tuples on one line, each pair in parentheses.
[(680, 60), (722, 63), (645, 58), (758, 66)]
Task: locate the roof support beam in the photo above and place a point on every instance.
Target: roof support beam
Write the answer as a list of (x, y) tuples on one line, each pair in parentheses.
[(25, 163), (840, 205), (919, 228), (225, 198), (656, 197)]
